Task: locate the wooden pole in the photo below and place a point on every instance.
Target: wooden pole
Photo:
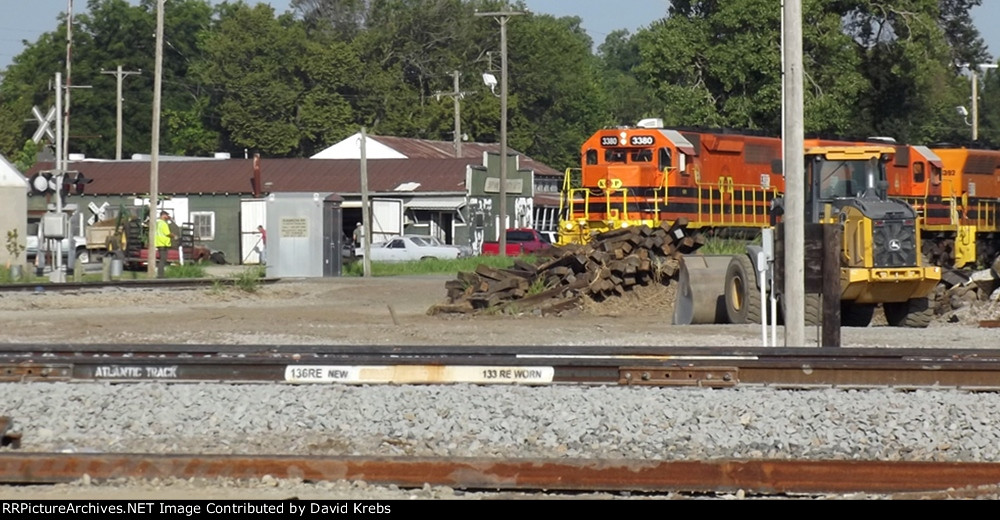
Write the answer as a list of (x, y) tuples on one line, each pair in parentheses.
[(831, 285), (154, 163)]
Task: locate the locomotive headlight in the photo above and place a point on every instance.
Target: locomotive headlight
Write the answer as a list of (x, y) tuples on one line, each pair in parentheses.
[(623, 138)]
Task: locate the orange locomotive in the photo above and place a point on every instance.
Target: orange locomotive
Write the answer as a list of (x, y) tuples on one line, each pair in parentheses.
[(967, 224), (956, 193), (649, 175)]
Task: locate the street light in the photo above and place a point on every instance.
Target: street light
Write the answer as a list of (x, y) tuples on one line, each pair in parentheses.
[(502, 17), (490, 81), (964, 112), (975, 95)]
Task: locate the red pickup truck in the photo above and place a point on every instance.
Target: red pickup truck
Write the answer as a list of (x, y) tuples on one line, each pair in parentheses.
[(192, 255), (520, 241)]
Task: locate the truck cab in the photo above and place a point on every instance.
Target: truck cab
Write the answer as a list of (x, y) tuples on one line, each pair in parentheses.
[(520, 241)]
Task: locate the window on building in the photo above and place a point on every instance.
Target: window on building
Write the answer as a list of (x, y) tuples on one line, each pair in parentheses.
[(204, 225)]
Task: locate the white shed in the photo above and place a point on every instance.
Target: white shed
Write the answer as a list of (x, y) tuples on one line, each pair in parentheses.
[(13, 208)]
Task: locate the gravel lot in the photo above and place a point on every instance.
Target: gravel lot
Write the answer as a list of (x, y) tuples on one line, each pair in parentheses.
[(455, 420)]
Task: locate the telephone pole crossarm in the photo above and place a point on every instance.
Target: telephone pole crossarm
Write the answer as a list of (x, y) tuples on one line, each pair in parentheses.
[(457, 96)]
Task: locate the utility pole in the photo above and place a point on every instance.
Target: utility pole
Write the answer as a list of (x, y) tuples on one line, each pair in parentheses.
[(57, 275), (69, 54), (503, 17), (457, 96), (794, 151), (154, 163), (366, 220), (120, 75)]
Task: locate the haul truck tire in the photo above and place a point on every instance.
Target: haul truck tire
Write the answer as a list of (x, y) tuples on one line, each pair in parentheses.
[(856, 314), (742, 291), (915, 313)]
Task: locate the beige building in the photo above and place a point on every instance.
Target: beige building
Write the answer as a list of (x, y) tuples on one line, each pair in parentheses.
[(13, 209)]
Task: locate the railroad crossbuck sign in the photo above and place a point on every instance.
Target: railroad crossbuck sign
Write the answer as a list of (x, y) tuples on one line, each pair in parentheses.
[(99, 213), (44, 124)]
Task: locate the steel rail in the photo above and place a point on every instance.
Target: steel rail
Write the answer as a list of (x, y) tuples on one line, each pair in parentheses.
[(656, 366), (138, 283), (726, 476)]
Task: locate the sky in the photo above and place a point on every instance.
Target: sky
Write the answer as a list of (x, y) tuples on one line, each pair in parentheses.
[(28, 19)]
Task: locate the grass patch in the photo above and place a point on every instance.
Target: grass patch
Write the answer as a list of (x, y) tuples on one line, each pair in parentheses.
[(218, 287), (185, 271), (537, 286), (433, 266), (726, 246), (249, 279), (172, 271), (5, 276)]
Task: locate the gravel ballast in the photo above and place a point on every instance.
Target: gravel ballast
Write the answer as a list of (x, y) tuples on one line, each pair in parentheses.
[(499, 421)]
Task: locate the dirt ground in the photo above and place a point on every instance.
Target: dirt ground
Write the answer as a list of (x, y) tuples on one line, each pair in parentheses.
[(393, 311)]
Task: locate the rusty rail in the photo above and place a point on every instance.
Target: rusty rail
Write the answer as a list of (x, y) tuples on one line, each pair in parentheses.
[(751, 476)]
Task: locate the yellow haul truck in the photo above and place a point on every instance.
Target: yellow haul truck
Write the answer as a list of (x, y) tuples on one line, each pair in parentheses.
[(880, 259)]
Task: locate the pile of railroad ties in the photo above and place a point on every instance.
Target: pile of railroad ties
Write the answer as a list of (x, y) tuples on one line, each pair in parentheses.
[(609, 265)]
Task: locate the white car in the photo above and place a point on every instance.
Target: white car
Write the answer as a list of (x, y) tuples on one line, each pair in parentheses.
[(463, 251), (408, 248)]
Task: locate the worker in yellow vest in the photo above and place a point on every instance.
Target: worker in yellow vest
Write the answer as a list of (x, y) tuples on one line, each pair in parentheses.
[(164, 239)]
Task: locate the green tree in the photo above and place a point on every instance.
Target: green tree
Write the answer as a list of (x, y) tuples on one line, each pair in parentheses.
[(342, 18), (719, 64), (275, 91), (627, 100), (555, 81), (108, 34), (27, 83), (910, 63)]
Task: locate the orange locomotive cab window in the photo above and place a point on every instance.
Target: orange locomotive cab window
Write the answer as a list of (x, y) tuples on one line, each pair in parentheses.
[(591, 157), (615, 156), (918, 173), (644, 155), (664, 158)]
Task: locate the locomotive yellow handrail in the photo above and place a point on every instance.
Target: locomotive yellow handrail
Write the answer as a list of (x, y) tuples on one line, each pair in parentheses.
[(757, 209), (747, 206)]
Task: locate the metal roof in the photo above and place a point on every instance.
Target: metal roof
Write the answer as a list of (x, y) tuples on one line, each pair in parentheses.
[(277, 175), (428, 149)]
